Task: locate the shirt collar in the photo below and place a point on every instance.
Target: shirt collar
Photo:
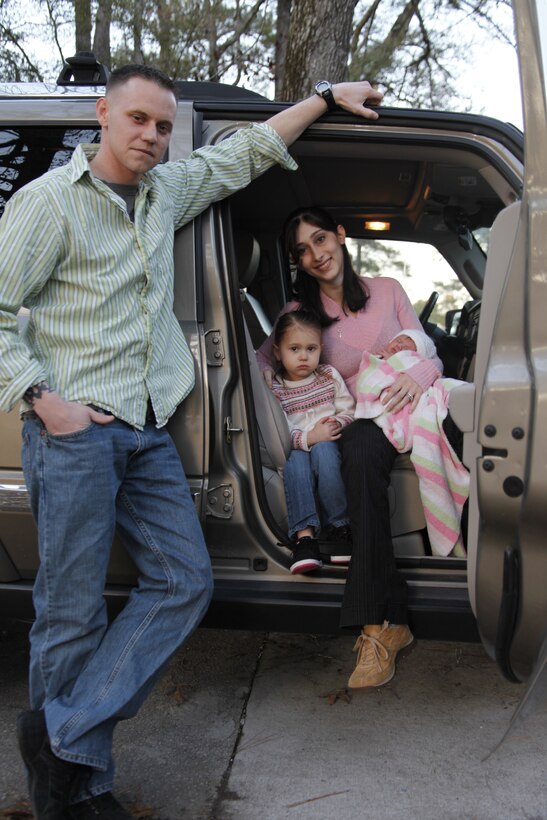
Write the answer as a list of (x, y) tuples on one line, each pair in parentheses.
[(81, 158)]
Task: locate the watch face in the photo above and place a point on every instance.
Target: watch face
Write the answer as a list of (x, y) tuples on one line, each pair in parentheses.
[(322, 86)]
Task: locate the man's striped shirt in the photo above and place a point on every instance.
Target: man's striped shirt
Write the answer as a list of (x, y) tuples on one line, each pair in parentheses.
[(99, 287)]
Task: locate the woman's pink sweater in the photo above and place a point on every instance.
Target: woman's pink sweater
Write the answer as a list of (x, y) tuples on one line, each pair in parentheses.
[(387, 312)]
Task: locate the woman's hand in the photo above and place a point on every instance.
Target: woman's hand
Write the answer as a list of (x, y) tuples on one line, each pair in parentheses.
[(404, 391), (326, 429)]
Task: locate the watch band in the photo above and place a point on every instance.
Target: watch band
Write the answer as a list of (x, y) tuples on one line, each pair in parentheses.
[(324, 89)]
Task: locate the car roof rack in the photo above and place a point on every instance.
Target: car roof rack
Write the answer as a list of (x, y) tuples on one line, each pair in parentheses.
[(83, 69)]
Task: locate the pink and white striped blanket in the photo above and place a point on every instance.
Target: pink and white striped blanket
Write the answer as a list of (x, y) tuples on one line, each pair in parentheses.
[(443, 480)]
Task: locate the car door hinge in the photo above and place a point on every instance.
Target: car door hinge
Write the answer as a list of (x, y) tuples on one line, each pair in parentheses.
[(214, 348), (220, 501), (228, 429)]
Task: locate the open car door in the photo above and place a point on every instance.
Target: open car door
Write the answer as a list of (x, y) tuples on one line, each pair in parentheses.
[(507, 451)]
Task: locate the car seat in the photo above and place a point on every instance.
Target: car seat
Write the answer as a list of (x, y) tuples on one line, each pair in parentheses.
[(247, 252), (273, 431)]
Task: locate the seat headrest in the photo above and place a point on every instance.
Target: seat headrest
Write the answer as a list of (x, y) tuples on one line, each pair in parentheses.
[(247, 256)]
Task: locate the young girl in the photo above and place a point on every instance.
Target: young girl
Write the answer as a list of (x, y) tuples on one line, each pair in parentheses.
[(318, 405)]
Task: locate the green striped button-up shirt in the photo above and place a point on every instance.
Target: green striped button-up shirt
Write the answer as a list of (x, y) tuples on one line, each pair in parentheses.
[(99, 287)]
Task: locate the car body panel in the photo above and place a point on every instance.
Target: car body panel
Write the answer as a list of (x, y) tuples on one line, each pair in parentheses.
[(410, 168), (509, 575)]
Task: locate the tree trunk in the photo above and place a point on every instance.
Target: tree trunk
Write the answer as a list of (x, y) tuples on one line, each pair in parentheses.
[(211, 37), (165, 30), (136, 31), (101, 39), (282, 34), (82, 24), (318, 45)]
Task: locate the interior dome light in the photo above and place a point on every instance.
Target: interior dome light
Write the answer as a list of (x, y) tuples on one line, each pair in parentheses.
[(377, 225)]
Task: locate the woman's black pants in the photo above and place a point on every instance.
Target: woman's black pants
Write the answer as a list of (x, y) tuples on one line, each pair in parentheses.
[(375, 591)]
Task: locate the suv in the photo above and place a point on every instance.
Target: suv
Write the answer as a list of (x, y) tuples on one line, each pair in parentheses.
[(462, 190)]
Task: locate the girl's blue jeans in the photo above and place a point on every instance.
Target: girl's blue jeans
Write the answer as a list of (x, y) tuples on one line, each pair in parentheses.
[(314, 489), (86, 673)]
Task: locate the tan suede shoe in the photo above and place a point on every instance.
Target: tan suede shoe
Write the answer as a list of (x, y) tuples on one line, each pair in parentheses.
[(377, 648), (396, 637), (375, 662)]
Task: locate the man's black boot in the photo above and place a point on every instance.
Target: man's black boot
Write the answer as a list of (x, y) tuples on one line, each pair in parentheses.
[(104, 805), (51, 779)]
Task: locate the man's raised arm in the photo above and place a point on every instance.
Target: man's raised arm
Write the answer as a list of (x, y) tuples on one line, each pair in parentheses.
[(292, 122)]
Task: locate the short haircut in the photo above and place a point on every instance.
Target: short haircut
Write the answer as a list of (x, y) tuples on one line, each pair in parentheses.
[(145, 72)]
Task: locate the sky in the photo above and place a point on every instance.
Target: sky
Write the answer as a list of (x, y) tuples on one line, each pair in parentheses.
[(493, 76)]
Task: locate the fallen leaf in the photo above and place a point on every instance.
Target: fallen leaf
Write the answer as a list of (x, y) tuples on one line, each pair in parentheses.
[(139, 810), (338, 694)]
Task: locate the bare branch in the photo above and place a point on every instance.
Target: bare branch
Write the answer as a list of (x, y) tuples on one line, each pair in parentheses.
[(15, 40), (368, 17), (241, 27), (54, 28)]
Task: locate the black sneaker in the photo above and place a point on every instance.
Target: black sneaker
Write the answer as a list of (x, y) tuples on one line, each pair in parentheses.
[(340, 544), (104, 805), (51, 780), (305, 556)]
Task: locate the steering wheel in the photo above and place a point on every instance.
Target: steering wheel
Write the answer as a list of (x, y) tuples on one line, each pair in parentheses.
[(428, 307)]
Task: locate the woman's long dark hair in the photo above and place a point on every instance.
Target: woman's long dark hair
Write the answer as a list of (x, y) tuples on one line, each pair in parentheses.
[(306, 288)]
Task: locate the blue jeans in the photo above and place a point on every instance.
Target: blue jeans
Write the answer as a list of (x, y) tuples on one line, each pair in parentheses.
[(85, 673), (314, 488)]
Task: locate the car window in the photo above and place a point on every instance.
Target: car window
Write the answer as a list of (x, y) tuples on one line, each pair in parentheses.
[(28, 152), (419, 267)]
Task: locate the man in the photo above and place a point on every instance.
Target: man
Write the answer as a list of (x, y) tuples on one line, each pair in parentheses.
[(88, 248)]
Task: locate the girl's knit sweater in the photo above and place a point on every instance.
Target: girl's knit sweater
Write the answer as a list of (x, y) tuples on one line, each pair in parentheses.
[(322, 394)]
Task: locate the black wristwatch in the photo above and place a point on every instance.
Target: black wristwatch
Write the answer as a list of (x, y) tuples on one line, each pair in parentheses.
[(324, 89)]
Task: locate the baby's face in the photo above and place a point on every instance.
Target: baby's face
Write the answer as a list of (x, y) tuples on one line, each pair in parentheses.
[(402, 342)]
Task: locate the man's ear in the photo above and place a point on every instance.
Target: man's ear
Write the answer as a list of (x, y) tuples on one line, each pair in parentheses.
[(101, 109)]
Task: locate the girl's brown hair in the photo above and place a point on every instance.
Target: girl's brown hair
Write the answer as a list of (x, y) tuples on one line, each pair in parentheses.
[(295, 317)]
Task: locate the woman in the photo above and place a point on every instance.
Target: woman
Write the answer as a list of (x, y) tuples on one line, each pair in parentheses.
[(360, 314)]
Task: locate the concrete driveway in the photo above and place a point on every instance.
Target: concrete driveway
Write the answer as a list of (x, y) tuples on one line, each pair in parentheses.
[(254, 725)]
